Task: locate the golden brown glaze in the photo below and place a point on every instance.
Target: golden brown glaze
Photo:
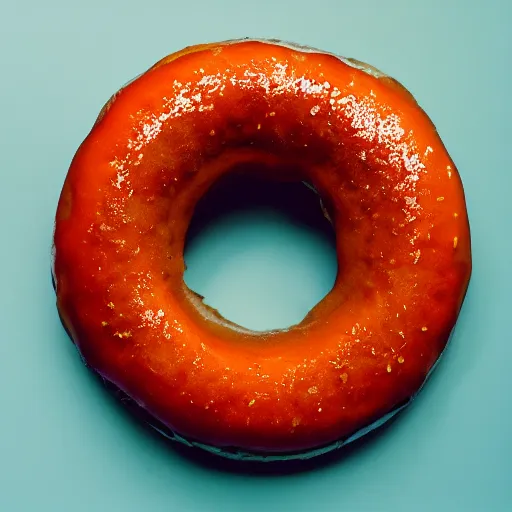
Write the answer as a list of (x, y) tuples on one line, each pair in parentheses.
[(391, 189)]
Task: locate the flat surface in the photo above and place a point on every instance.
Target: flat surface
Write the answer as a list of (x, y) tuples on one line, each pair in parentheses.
[(65, 445)]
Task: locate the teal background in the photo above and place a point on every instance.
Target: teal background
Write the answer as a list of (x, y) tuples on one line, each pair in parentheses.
[(65, 445)]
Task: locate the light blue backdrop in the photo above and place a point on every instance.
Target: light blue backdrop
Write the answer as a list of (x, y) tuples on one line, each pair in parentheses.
[(65, 445)]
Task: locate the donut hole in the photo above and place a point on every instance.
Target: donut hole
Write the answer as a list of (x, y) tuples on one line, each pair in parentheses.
[(260, 252)]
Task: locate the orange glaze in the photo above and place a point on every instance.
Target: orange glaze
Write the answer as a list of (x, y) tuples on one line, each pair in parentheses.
[(391, 190)]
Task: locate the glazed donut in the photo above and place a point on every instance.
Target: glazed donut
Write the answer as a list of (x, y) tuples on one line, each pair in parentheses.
[(287, 112)]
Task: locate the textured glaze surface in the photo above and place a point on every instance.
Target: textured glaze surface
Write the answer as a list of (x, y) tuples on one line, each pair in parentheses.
[(391, 189)]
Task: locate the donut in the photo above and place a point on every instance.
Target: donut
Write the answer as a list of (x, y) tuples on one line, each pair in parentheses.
[(285, 112)]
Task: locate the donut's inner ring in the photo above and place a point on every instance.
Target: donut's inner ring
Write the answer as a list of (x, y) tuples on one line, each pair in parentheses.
[(256, 265), (263, 166)]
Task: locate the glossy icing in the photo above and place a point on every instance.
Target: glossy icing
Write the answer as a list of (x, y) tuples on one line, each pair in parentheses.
[(388, 184)]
